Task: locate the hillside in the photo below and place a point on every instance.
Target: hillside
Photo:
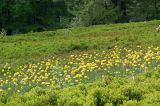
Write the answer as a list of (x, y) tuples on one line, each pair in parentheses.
[(102, 65), (36, 46)]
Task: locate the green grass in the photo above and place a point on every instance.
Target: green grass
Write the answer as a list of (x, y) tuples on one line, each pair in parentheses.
[(133, 90), (32, 47)]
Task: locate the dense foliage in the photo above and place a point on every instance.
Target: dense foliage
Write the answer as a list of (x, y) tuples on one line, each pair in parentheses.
[(144, 90), (20, 16)]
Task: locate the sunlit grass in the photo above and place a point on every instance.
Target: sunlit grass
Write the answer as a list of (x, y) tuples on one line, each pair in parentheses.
[(33, 47), (79, 68)]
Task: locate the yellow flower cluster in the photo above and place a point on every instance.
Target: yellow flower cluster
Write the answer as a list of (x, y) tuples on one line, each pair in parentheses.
[(79, 68)]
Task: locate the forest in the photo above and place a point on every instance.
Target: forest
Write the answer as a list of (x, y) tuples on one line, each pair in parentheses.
[(22, 16)]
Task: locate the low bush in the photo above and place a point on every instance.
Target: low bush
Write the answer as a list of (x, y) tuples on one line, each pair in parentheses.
[(142, 91)]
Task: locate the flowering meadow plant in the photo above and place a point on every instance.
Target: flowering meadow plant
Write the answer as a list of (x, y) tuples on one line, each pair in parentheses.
[(79, 68)]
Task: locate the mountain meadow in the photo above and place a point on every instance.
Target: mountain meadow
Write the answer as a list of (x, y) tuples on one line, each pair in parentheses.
[(79, 52), (99, 65)]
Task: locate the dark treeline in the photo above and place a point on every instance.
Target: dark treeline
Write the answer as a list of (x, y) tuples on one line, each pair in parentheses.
[(21, 16)]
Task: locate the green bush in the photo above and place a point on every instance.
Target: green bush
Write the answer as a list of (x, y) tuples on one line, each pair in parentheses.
[(118, 92)]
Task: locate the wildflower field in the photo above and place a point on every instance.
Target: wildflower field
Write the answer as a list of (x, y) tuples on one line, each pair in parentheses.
[(121, 66)]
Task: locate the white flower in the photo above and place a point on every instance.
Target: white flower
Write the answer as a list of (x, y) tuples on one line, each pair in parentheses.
[(158, 28)]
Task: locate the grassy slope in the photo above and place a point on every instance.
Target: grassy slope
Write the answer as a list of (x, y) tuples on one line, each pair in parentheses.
[(142, 91), (31, 47)]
